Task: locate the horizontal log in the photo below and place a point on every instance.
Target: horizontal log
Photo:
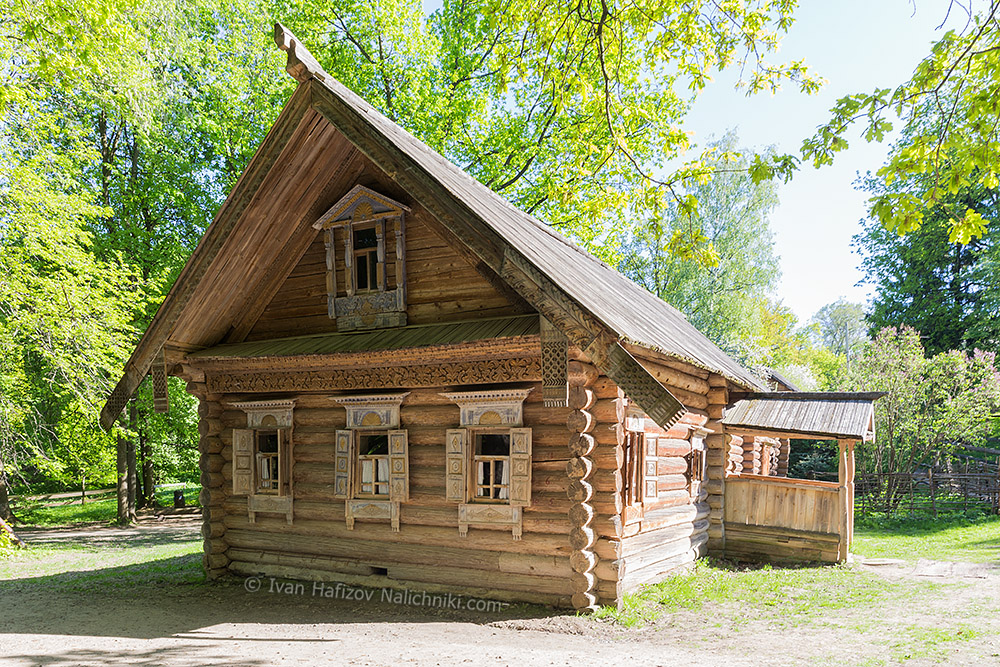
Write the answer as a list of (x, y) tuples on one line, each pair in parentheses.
[(672, 447), (671, 465), (411, 544), (670, 483), (674, 379), (390, 581)]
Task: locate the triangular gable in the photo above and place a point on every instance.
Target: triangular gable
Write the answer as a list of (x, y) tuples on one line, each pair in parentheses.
[(597, 308)]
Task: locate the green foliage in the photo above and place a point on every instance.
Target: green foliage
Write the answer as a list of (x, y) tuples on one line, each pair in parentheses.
[(932, 404), (948, 291), (569, 111), (717, 280), (7, 545), (949, 118)]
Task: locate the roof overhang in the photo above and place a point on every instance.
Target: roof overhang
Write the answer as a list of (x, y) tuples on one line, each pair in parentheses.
[(820, 415)]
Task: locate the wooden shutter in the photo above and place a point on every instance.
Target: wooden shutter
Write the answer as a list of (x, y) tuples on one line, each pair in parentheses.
[(242, 461), (342, 464), (456, 445), (399, 467), (520, 466), (649, 477)]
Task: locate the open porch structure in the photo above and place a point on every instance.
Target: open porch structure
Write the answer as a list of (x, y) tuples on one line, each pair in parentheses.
[(770, 516)]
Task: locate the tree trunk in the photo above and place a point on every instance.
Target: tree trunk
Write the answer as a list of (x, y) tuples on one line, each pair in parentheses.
[(6, 513), (122, 469), (133, 479), (148, 494)]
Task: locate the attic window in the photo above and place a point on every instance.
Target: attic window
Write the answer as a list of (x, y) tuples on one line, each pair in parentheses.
[(366, 264), (365, 260)]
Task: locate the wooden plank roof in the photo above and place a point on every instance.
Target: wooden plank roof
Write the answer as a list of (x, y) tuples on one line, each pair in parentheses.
[(399, 338), (635, 314), (600, 310), (843, 415)]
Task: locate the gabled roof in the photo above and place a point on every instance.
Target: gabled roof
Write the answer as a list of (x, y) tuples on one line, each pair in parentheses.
[(595, 306), (844, 415)]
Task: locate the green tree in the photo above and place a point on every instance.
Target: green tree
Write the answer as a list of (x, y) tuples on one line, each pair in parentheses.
[(723, 300), (840, 327), (949, 116), (932, 404), (948, 291)]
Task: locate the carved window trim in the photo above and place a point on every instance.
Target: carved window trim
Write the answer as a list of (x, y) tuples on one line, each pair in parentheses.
[(375, 306), (483, 413), (274, 416), (697, 460), (371, 414)]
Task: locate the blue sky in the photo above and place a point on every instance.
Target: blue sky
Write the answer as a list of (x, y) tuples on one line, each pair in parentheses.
[(856, 45)]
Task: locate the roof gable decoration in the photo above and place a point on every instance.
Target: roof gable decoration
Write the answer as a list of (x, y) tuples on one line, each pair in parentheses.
[(360, 204), (369, 229)]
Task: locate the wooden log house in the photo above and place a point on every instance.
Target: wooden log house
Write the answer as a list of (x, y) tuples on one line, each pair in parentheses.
[(405, 381)]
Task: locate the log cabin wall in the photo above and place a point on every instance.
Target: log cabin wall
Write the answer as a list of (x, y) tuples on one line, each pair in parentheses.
[(427, 553), (668, 529)]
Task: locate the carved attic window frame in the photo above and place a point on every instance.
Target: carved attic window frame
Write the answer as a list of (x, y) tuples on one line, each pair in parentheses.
[(264, 416), (488, 412), (376, 306), (375, 412)]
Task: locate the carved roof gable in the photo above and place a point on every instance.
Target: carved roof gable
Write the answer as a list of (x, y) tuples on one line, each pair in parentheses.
[(360, 203)]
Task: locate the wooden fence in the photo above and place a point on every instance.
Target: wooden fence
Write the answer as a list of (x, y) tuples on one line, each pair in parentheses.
[(777, 518), (927, 491)]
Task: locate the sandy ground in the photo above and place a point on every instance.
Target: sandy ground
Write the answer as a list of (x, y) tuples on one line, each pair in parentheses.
[(44, 620)]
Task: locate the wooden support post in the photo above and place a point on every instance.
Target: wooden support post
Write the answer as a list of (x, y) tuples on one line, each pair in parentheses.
[(846, 496)]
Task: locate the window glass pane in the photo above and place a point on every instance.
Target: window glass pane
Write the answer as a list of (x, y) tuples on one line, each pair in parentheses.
[(493, 444), (362, 271), (365, 238), (374, 444), (373, 269), (267, 442)]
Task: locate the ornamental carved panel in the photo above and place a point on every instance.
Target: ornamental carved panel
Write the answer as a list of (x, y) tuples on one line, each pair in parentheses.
[(437, 375)]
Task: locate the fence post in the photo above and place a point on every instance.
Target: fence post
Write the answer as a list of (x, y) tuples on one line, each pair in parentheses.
[(930, 480)]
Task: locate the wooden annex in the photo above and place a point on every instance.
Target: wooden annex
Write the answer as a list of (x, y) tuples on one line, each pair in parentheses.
[(405, 381)]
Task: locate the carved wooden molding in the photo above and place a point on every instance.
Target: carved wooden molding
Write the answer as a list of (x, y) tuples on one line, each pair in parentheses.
[(361, 508), (267, 503), (374, 411), (470, 514), (161, 399), (439, 375), (258, 412), (555, 360), (349, 208), (490, 408), (480, 350)]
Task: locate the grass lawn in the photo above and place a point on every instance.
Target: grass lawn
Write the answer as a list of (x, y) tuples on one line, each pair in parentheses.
[(955, 538), (925, 620), (104, 510)]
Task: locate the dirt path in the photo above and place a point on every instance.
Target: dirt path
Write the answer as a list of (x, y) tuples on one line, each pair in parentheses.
[(154, 610), (68, 619)]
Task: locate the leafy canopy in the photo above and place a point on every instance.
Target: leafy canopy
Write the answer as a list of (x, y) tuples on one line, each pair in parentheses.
[(949, 114)]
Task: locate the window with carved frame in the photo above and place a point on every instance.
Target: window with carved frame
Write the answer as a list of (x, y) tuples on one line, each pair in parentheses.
[(371, 459), (372, 467), (365, 260), (490, 464)]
